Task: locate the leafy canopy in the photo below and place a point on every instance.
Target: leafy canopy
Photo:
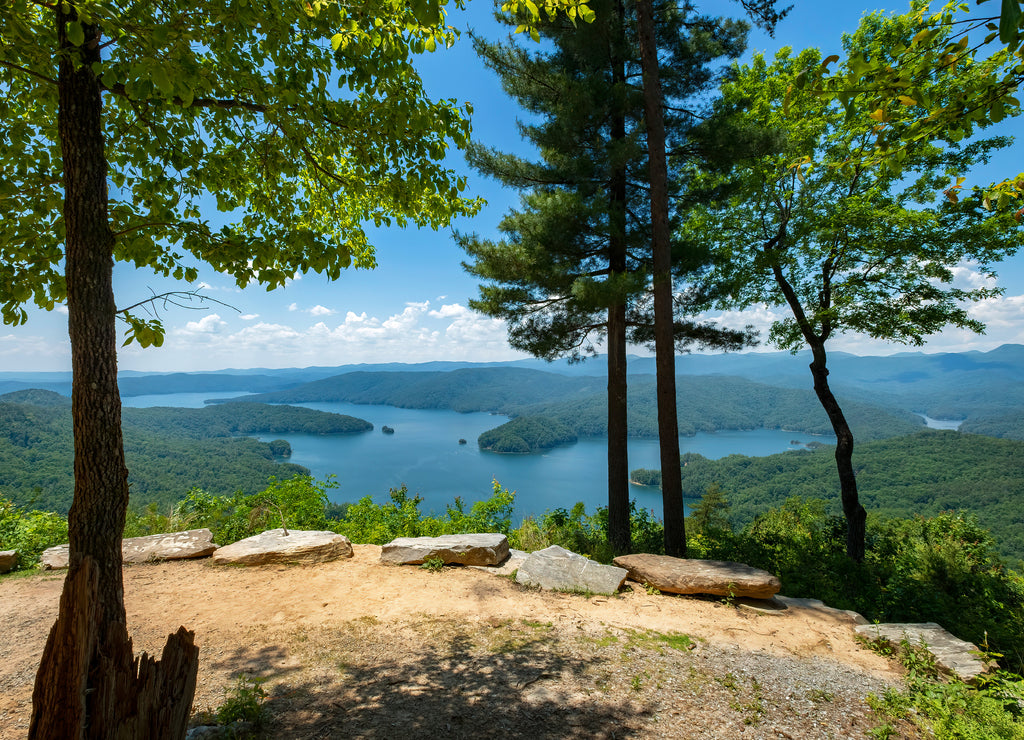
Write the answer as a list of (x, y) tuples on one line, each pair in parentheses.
[(848, 245), (983, 48), (302, 122)]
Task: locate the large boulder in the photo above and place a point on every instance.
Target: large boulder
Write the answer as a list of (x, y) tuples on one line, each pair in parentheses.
[(558, 569), (8, 559), (458, 549), (54, 558), (955, 655), (714, 577), (508, 567), (193, 543), (297, 547)]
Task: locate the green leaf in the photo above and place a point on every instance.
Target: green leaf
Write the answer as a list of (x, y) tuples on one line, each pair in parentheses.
[(427, 12), (1009, 21), (76, 34)]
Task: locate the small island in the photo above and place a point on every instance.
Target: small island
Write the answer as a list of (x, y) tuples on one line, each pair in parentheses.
[(527, 434), (462, 441), (280, 448), (645, 477), (387, 430)]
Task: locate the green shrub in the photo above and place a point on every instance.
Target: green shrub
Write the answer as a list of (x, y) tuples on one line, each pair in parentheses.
[(297, 503), (927, 569), (366, 521), (244, 702), (30, 532), (587, 535), (989, 709)]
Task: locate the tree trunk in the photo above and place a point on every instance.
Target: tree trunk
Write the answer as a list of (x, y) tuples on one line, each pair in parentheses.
[(661, 252), (619, 534), (856, 517), (87, 684)]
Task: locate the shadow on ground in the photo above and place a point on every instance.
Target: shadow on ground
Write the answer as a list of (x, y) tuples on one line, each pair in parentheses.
[(472, 683)]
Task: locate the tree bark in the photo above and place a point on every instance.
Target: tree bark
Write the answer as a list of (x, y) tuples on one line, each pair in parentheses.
[(86, 686), (619, 534), (856, 516), (661, 252)]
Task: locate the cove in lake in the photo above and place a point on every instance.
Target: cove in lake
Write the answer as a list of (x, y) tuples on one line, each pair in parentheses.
[(424, 453)]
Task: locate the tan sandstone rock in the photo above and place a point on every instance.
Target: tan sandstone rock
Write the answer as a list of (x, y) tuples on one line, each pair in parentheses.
[(685, 576), (458, 549), (274, 546)]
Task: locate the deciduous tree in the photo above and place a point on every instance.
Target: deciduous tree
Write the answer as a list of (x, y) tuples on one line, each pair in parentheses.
[(843, 244), (119, 126)]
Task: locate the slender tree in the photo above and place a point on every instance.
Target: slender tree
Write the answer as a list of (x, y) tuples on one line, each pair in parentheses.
[(705, 39), (567, 266), (843, 244)]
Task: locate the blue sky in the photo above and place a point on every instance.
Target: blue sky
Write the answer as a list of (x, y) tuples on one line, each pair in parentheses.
[(413, 307)]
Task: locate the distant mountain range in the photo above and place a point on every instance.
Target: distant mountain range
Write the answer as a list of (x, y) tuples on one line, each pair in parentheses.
[(985, 389)]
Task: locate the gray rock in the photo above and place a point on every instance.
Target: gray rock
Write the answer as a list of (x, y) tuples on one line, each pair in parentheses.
[(8, 559), (508, 567), (274, 546), (557, 569), (193, 543), (54, 558), (821, 609), (955, 655), (715, 577), (460, 549)]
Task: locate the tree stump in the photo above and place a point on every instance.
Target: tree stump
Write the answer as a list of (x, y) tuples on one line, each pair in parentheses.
[(89, 684)]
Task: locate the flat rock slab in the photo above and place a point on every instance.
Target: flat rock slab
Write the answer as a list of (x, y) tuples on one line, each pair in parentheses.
[(820, 609), (955, 655), (8, 559), (453, 549), (193, 543), (714, 577), (298, 547), (508, 567), (558, 569)]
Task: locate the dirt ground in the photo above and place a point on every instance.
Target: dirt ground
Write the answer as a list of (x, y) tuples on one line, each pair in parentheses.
[(358, 649)]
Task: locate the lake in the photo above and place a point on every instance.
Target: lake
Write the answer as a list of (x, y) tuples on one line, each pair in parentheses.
[(424, 453)]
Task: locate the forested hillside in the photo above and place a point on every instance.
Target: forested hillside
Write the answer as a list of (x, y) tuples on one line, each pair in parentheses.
[(527, 434), (925, 473), (706, 403), (168, 450), (499, 390)]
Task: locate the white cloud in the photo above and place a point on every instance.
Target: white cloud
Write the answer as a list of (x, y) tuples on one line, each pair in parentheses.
[(33, 352), (319, 310), (293, 307), (249, 316), (447, 311), (966, 276), (61, 308), (418, 332), (209, 324)]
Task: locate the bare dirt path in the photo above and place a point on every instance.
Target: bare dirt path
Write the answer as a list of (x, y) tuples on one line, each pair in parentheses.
[(357, 649)]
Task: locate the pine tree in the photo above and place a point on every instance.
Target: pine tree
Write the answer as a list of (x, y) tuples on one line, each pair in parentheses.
[(573, 266)]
